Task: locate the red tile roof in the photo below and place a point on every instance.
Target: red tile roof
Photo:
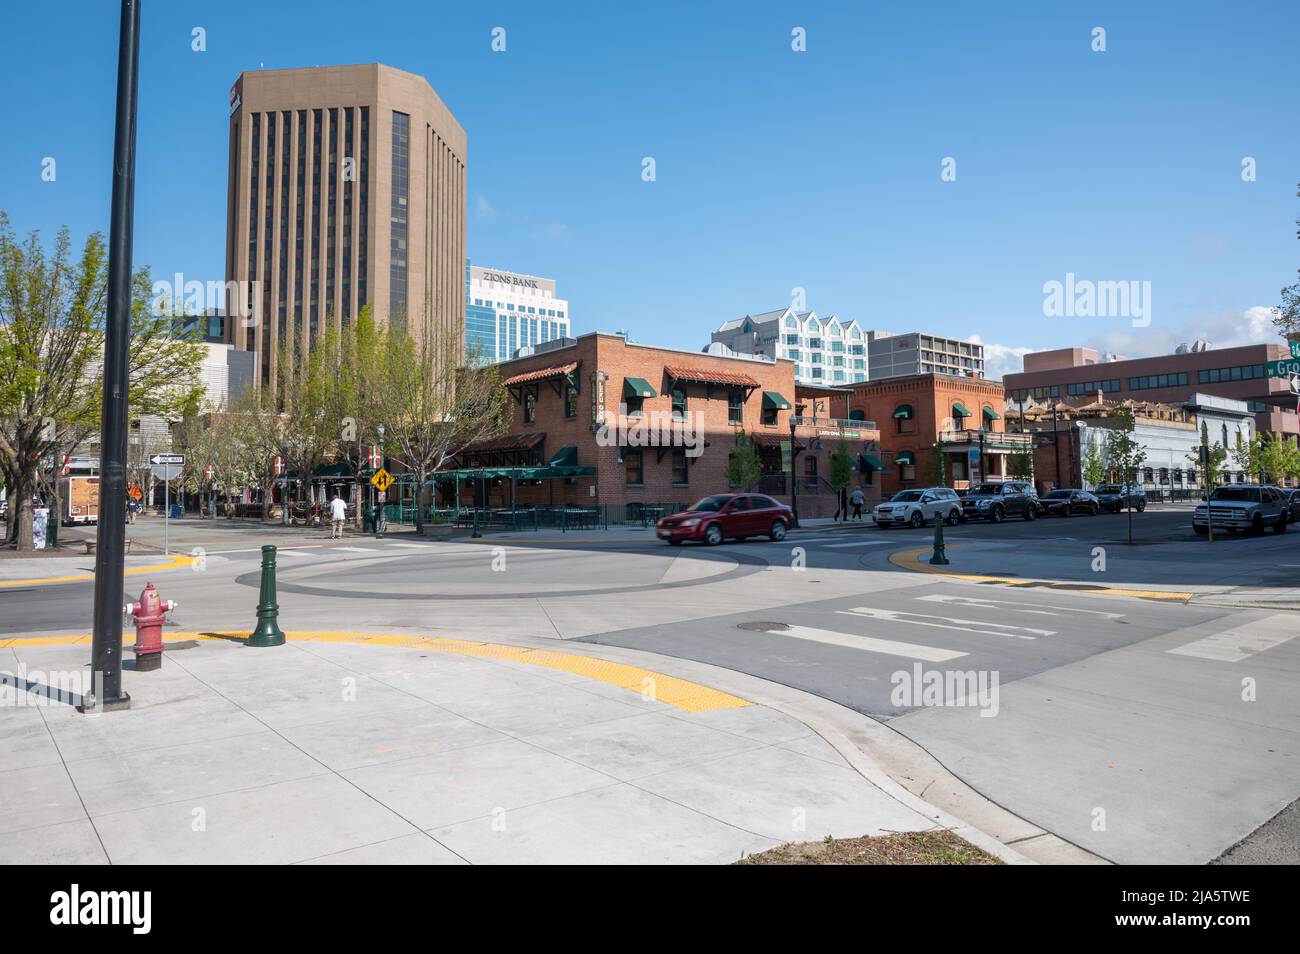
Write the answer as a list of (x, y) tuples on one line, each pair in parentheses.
[(508, 442), (773, 440), (710, 376), (541, 374)]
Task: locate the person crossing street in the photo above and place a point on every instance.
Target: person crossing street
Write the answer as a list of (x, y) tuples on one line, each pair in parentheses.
[(338, 513)]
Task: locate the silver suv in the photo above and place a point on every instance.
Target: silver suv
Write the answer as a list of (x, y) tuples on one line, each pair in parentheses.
[(1245, 507)]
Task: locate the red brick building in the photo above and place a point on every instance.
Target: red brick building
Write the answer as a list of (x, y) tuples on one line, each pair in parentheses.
[(960, 415), (604, 422)]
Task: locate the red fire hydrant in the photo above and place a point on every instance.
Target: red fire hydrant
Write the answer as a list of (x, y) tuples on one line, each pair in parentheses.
[(149, 613)]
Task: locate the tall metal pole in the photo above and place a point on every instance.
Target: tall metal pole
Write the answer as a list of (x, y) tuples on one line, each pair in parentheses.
[(1056, 444), (106, 639)]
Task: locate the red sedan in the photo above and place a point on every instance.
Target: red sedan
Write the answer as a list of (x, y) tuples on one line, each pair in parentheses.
[(727, 516)]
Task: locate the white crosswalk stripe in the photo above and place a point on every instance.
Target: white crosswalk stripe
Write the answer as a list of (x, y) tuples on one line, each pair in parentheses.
[(856, 543), (1014, 606), (889, 647), (1242, 642)]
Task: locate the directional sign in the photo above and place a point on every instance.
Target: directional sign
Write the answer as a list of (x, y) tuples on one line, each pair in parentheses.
[(278, 465), (1295, 347), (382, 480), (157, 460), (376, 459), (1284, 368)]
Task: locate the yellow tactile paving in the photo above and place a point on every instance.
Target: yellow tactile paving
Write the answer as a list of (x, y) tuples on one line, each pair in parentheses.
[(174, 562), (679, 693), (911, 560)]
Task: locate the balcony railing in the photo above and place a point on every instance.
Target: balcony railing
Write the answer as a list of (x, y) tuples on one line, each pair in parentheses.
[(998, 439), (843, 423)]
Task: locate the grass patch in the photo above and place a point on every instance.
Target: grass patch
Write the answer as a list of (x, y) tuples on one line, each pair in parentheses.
[(906, 848)]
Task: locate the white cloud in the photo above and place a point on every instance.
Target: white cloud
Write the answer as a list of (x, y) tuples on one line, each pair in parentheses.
[(485, 210), (1230, 329)]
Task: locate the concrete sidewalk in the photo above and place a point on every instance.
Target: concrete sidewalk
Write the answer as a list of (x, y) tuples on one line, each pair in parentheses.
[(348, 748)]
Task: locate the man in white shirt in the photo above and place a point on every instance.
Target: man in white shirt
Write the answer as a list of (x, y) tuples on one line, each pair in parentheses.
[(338, 513)]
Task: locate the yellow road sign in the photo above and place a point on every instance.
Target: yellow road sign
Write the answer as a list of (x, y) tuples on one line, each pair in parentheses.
[(382, 479)]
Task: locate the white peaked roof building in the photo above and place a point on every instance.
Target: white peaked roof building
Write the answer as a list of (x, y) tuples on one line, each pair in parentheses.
[(825, 350)]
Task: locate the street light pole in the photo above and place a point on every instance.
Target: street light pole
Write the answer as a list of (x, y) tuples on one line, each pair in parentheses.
[(106, 638), (794, 479), (284, 485), (1056, 444)]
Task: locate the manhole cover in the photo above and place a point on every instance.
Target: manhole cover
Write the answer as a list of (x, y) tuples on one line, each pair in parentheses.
[(763, 626)]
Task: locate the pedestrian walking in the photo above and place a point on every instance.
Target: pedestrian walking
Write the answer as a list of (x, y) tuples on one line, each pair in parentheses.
[(857, 498), (338, 513), (842, 506)]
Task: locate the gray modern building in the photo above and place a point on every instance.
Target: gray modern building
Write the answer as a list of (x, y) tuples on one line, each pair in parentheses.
[(896, 356)]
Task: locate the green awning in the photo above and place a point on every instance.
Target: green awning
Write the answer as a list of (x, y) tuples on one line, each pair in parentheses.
[(904, 411), (906, 457), (774, 399), (638, 388), (871, 461), (567, 457), (991, 414), (959, 410), (341, 469), (517, 473)]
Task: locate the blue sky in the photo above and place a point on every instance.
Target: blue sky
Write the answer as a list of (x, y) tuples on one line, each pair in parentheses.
[(775, 169)]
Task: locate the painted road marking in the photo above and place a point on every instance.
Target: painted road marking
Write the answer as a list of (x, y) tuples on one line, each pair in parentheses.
[(856, 543), (1241, 642), (679, 693), (1037, 610), (890, 647), (965, 625), (411, 546), (176, 561), (352, 549)]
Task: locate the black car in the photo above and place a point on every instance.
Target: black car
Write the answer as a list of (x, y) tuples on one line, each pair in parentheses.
[(1067, 502), (997, 501), (1117, 497), (1293, 502)]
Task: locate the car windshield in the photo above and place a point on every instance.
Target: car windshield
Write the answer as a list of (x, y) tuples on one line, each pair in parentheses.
[(988, 489), (715, 502), (1058, 495), (1110, 489), (906, 496), (1250, 494)]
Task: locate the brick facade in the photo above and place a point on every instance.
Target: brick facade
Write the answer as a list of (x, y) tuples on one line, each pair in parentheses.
[(599, 365)]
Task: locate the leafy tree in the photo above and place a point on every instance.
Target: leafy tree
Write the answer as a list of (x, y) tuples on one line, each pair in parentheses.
[(936, 466), (1124, 453), (53, 316), (743, 465), (841, 467), (1217, 456), (1020, 464), (1094, 465)]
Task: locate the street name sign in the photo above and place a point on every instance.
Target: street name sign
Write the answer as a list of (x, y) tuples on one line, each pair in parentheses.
[(1284, 368)]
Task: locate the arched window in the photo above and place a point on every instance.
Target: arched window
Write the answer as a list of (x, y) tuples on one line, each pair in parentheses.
[(857, 414)]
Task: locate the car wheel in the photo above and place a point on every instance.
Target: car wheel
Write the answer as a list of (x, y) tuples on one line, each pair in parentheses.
[(954, 518), (1280, 526), (1067, 511), (713, 535), (997, 514), (1257, 525), (1092, 511), (777, 532), (916, 520), (1141, 505), (1031, 513)]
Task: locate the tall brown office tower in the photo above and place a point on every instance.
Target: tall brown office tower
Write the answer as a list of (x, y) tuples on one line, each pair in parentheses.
[(346, 189)]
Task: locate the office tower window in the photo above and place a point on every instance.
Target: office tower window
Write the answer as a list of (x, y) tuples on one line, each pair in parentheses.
[(364, 211), (401, 173), (350, 170), (313, 299), (299, 217), (331, 211), (286, 140)]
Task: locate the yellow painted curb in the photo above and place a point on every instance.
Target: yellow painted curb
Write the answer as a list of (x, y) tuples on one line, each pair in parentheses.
[(176, 561), (910, 560), (679, 693)]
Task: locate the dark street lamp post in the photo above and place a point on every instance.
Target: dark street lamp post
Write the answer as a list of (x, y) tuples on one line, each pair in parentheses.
[(106, 638), (794, 479)]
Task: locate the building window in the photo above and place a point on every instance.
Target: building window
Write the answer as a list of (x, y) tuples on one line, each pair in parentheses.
[(634, 405), (769, 416), (530, 408), (735, 406), (570, 401), (681, 476), (399, 213), (907, 472), (679, 403), (810, 471), (634, 463)]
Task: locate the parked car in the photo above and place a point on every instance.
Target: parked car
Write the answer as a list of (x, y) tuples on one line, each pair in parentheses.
[(916, 508), (1067, 501), (727, 516), (997, 501), (1292, 496), (1117, 497), (1243, 507)]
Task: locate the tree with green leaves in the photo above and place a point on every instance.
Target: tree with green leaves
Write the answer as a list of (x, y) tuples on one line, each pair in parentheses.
[(1094, 465), (841, 467), (53, 316), (1209, 461), (936, 466), (1125, 454), (743, 465), (1020, 464)]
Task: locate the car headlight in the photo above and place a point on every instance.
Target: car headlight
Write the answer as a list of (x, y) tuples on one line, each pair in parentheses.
[(690, 522)]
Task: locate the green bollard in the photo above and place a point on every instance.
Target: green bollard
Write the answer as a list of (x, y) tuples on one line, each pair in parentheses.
[(268, 632), (938, 558)]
